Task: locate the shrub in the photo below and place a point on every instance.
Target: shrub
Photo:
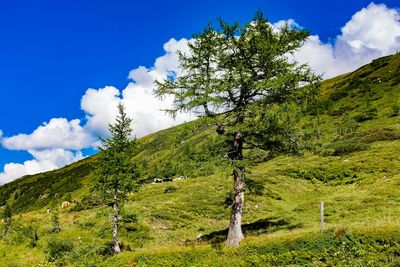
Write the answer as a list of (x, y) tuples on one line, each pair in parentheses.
[(129, 221), (395, 109), (323, 175), (380, 62), (366, 114), (255, 187), (339, 232), (88, 202), (339, 94), (57, 248), (384, 134), (344, 147)]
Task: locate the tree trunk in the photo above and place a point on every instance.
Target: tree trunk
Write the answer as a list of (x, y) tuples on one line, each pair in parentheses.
[(115, 218), (207, 110), (235, 234)]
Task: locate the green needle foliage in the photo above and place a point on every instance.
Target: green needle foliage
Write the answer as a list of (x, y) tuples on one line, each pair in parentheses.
[(254, 88), (116, 173), (55, 222), (195, 89)]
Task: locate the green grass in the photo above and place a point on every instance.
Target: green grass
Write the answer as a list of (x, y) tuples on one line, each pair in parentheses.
[(353, 166)]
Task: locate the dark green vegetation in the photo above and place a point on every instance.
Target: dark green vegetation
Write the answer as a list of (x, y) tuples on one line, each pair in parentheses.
[(353, 166)]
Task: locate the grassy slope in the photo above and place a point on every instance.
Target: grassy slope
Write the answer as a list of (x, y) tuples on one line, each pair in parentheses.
[(360, 191)]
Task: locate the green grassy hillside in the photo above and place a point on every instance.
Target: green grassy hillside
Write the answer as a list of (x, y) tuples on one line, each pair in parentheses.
[(350, 161)]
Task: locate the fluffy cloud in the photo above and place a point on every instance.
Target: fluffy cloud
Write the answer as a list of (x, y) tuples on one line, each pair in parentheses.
[(321, 57), (169, 63), (57, 133), (372, 32), (373, 28), (140, 103), (50, 146), (44, 160), (100, 107)]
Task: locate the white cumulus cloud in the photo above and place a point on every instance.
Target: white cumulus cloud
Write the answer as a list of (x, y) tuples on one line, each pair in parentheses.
[(372, 32), (57, 133), (374, 27), (42, 161), (50, 146), (141, 105), (100, 107)]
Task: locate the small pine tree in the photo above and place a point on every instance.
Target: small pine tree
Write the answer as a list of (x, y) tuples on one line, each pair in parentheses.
[(34, 237), (117, 174), (55, 222)]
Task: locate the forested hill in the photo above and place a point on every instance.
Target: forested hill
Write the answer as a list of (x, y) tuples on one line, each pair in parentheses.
[(353, 111)]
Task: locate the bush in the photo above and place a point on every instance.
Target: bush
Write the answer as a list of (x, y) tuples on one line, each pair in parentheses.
[(323, 175), (366, 114), (57, 248), (385, 134), (344, 147), (339, 94), (88, 202), (129, 220), (395, 109), (380, 62), (339, 232)]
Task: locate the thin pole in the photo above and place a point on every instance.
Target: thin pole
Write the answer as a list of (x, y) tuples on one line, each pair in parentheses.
[(322, 216)]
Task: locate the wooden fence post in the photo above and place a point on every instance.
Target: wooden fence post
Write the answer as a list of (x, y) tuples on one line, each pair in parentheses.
[(322, 216)]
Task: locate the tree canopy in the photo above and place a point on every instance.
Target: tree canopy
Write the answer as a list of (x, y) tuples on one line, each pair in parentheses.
[(245, 78)]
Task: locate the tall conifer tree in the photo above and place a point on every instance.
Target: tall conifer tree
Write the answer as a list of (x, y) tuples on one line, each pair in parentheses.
[(256, 92), (117, 174)]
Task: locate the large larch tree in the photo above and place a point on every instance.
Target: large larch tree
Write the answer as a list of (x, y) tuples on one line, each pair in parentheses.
[(256, 92)]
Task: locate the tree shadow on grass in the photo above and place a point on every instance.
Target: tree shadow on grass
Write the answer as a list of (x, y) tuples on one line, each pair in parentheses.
[(267, 225)]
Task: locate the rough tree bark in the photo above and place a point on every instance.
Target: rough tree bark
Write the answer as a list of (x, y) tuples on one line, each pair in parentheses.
[(115, 218), (235, 234), (207, 110)]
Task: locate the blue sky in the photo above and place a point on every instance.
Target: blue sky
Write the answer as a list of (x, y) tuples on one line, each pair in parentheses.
[(52, 52)]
